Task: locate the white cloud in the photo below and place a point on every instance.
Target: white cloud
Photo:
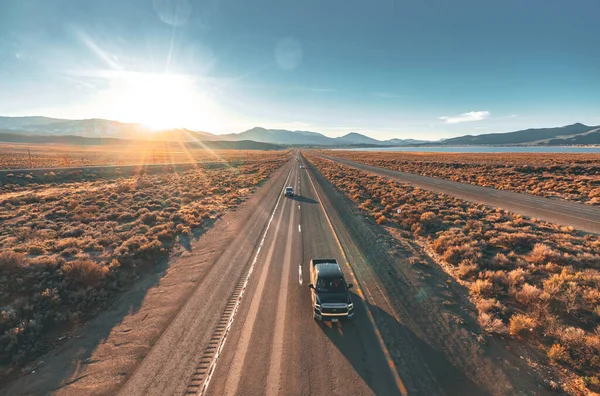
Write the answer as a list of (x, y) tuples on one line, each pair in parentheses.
[(467, 117)]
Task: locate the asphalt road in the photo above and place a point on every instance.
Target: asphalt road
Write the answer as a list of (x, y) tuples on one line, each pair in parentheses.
[(275, 347), (580, 216), (272, 345)]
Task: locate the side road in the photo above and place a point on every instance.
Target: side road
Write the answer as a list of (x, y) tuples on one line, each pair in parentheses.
[(580, 216)]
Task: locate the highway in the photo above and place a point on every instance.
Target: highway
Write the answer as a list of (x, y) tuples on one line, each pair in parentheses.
[(246, 328), (273, 345), (581, 216)]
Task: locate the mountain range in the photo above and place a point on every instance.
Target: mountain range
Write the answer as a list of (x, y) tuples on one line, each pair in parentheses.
[(102, 129), (566, 135)]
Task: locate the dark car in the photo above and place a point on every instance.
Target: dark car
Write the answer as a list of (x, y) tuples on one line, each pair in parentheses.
[(330, 293)]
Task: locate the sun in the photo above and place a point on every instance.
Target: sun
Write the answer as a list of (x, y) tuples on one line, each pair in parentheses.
[(159, 101)]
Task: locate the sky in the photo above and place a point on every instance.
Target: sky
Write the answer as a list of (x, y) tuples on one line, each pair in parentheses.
[(422, 69)]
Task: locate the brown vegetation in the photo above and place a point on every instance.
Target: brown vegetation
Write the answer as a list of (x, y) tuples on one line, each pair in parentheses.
[(534, 280), (67, 249), (16, 155), (573, 177)]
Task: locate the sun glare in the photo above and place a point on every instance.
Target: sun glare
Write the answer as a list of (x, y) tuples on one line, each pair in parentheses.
[(158, 101)]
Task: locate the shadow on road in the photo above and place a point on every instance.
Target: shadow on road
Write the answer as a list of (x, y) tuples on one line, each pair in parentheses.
[(302, 199), (430, 371)]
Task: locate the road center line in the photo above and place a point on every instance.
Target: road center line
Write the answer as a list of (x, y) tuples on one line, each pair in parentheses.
[(274, 374), (299, 228), (213, 364)]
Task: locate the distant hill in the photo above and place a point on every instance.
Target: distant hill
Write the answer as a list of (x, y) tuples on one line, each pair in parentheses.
[(95, 128), (105, 129), (280, 136), (549, 136), (283, 136), (236, 145), (591, 137), (71, 140), (354, 138), (404, 142)]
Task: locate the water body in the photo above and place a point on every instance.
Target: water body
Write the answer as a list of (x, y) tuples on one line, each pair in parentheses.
[(487, 149)]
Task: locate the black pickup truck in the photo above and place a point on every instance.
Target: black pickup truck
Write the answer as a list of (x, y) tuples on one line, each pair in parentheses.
[(330, 293)]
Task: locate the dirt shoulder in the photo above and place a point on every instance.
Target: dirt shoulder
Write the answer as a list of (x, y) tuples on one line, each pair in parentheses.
[(99, 356), (425, 316)]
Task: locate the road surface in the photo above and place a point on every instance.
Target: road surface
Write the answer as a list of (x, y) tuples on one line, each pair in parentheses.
[(274, 346), (580, 216)]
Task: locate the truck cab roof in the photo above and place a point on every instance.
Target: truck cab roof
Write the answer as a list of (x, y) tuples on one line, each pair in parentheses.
[(329, 270)]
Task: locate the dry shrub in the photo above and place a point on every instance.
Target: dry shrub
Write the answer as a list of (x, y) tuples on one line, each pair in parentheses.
[(516, 277), (47, 262), (491, 324), (429, 223), (124, 187), (456, 254), (528, 295), (85, 272), (481, 287), (592, 383), (520, 241), (148, 218), (502, 261), (558, 353), (521, 325), (596, 312), (486, 305), (541, 254), (381, 220), (466, 269), (11, 262)]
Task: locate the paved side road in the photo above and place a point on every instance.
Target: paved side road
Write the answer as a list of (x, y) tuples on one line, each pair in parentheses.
[(580, 216)]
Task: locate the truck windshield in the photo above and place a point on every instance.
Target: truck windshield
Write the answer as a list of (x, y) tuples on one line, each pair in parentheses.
[(331, 285)]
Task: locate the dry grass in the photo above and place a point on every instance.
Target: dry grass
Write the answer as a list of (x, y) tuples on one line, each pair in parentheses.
[(66, 249), (534, 280), (16, 156), (574, 177)]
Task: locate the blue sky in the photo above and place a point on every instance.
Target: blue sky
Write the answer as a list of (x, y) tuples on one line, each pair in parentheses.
[(405, 68)]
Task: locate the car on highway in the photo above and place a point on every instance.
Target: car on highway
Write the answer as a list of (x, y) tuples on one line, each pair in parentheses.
[(301, 166), (289, 191), (330, 294)]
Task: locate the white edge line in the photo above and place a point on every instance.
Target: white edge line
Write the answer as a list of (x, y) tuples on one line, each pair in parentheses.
[(300, 274), (394, 371), (213, 364)]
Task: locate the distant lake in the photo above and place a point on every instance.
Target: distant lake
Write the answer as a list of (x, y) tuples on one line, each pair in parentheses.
[(482, 149)]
